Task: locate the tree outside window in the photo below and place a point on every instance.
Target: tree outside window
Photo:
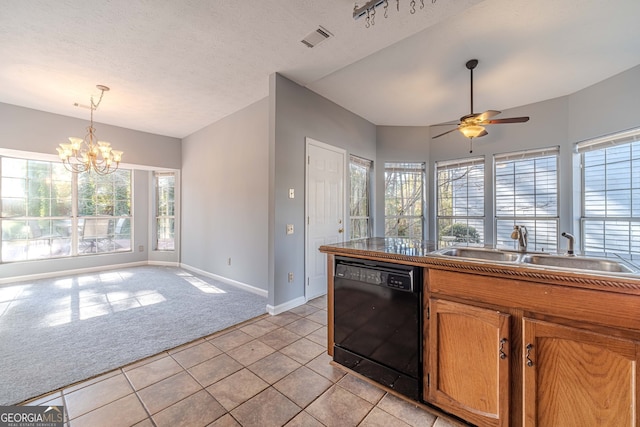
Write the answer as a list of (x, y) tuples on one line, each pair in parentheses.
[(165, 211), (460, 202), (36, 209), (360, 199), (404, 200), (49, 212), (104, 211)]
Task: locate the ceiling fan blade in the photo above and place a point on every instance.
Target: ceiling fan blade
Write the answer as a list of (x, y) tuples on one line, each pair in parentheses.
[(442, 134), (456, 123), (506, 120), (483, 133), (487, 114)]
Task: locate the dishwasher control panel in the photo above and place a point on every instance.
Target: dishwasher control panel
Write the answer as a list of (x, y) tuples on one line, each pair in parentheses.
[(376, 275)]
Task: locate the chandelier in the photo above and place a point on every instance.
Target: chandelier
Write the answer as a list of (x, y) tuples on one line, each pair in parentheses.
[(369, 9), (88, 154)]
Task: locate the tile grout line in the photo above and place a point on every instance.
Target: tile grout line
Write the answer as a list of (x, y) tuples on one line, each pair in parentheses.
[(149, 417)]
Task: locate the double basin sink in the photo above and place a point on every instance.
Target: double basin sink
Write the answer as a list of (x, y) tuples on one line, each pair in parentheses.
[(602, 265)]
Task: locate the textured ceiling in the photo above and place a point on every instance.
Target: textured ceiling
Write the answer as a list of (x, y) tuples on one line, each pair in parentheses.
[(176, 66)]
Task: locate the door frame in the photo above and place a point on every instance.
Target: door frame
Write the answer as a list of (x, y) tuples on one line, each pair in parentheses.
[(308, 142)]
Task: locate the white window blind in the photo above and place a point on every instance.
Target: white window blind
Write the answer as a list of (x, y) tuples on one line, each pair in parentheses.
[(526, 193), (600, 143), (611, 194)]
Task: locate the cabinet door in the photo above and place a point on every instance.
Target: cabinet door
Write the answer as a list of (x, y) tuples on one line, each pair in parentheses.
[(469, 362), (574, 377)]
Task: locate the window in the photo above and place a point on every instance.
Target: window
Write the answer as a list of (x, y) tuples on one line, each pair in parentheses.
[(104, 211), (460, 202), (48, 212), (360, 197), (404, 199), (36, 209), (611, 194), (526, 193), (165, 211)]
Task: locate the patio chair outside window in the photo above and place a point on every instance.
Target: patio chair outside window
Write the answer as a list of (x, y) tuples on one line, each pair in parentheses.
[(95, 234)]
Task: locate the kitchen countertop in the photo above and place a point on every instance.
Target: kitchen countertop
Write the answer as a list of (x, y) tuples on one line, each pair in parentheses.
[(420, 252), (390, 246)]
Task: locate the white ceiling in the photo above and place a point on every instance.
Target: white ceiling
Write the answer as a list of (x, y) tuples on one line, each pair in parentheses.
[(176, 66)]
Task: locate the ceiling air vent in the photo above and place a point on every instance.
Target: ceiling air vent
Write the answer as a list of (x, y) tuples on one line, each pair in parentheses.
[(316, 37)]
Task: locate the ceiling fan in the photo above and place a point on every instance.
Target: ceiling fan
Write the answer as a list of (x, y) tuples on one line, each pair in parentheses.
[(472, 125)]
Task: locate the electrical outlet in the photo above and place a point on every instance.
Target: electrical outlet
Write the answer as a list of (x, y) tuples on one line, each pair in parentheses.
[(290, 277), (141, 248), (289, 228)]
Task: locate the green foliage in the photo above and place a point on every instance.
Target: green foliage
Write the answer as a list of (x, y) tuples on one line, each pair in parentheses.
[(462, 233)]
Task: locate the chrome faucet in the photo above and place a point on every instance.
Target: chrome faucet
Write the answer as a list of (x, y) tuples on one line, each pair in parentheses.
[(570, 251), (520, 234)]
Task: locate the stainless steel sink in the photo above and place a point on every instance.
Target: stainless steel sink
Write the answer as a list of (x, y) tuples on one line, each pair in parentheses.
[(480, 253), (580, 263)]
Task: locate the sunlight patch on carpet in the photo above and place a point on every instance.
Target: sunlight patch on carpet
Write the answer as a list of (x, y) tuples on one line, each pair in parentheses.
[(203, 286)]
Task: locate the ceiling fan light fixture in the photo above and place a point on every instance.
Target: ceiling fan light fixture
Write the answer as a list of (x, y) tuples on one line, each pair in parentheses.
[(472, 131)]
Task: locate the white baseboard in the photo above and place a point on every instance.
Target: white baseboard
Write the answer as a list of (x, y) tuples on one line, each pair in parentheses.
[(165, 263), (53, 274), (232, 282), (281, 308)]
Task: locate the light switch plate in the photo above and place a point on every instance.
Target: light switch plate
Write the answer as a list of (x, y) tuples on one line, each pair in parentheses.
[(292, 193), (289, 228)]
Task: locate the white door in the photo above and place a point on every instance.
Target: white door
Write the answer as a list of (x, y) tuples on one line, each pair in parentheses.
[(324, 209)]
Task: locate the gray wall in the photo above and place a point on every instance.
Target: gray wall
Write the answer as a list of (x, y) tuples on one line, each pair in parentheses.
[(606, 107), (37, 134), (301, 113), (239, 211), (36, 131), (547, 127), (225, 193)]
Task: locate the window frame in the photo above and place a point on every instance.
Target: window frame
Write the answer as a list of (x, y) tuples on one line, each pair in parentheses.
[(367, 165), (158, 217), (105, 241), (479, 220), (407, 167), (69, 228), (630, 138)]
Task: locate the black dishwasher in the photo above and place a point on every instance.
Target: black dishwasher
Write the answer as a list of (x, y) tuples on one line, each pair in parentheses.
[(378, 322)]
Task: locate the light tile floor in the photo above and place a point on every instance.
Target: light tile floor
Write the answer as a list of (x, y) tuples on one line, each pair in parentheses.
[(269, 371)]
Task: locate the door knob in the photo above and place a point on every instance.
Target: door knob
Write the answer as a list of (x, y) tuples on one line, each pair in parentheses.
[(340, 230)]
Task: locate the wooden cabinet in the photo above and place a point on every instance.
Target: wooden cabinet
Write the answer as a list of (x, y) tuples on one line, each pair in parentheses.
[(469, 362), (571, 351), (572, 361), (575, 377)]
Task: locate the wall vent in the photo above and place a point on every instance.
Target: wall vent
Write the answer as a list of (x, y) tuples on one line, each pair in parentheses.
[(316, 37)]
